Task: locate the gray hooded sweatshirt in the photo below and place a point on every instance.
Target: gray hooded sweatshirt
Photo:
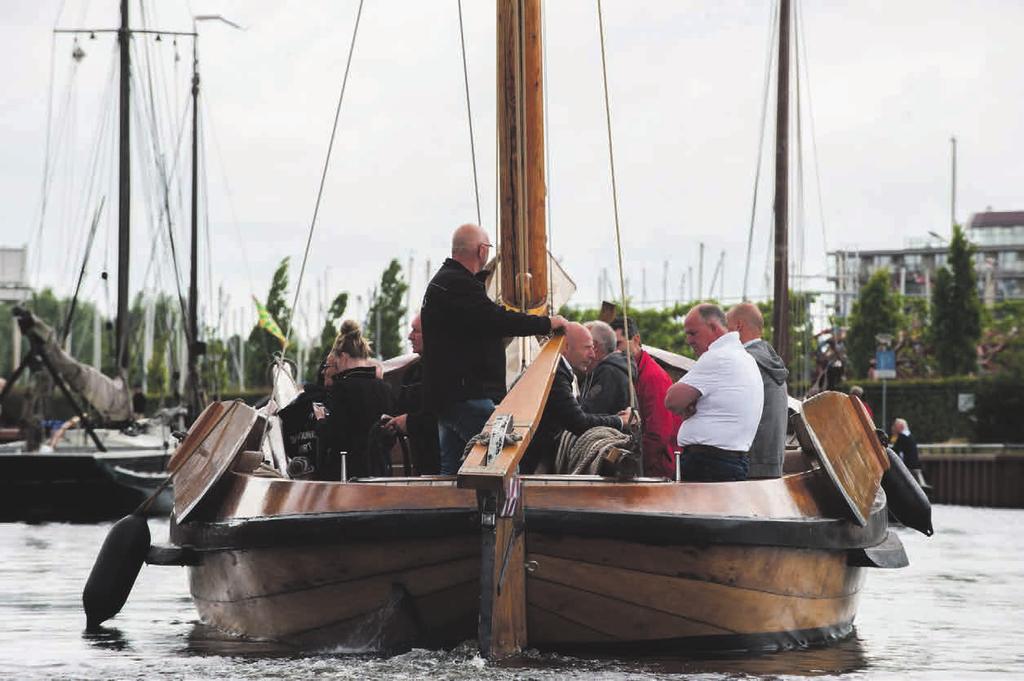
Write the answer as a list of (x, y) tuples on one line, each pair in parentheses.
[(769, 446)]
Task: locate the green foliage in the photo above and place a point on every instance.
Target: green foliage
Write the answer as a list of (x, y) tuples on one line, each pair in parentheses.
[(384, 320), (876, 311), (157, 376), (262, 346), (956, 309), (662, 328), (327, 335)]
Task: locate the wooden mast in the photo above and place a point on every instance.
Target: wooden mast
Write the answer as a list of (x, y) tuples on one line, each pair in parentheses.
[(124, 195), (522, 237), (523, 285), (780, 309), (192, 396)]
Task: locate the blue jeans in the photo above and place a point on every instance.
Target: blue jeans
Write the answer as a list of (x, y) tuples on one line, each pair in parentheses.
[(705, 464), (456, 424)]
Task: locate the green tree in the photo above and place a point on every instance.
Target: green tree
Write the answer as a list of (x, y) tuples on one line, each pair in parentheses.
[(876, 311), (327, 335), (956, 309), (261, 346), (384, 321)]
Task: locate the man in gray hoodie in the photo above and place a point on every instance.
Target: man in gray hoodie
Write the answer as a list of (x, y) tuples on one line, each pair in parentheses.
[(769, 447), (606, 388)]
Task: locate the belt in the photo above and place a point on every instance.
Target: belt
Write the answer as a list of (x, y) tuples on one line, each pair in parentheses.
[(709, 449)]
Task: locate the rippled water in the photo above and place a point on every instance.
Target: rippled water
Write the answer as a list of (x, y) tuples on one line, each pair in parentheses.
[(956, 612)]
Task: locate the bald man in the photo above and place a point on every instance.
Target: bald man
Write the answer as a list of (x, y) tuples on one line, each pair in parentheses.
[(563, 411), (769, 447), (463, 351)]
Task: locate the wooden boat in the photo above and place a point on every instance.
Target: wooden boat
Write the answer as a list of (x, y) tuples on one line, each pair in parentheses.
[(579, 563)]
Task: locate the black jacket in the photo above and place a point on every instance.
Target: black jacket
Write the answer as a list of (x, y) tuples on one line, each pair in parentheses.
[(420, 423), (907, 449), (562, 412), (607, 386), (463, 352), (357, 400)]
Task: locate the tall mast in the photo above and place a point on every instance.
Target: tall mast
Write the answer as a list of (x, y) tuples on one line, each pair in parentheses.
[(780, 310), (192, 379), (522, 237), (124, 195)]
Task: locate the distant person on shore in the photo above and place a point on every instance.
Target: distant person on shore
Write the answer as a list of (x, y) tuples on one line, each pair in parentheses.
[(463, 348), (904, 445), (606, 388), (659, 426), (563, 412), (719, 399), (769, 446), (858, 392)]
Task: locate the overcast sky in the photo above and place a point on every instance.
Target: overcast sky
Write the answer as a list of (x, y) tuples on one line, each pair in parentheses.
[(889, 83)]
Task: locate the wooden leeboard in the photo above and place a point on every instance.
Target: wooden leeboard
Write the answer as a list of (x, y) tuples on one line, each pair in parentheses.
[(525, 403), (850, 455), (212, 457), (197, 433)]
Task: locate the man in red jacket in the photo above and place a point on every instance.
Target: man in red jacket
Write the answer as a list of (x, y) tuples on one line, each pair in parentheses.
[(660, 426)]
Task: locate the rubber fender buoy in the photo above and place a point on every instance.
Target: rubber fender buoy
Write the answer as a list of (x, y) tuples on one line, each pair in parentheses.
[(117, 565), (907, 500)]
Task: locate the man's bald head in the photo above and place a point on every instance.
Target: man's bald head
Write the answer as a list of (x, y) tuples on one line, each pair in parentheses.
[(747, 320), (470, 247), (579, 346)]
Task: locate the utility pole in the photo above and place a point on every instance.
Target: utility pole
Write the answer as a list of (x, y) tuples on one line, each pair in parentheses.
[(700, 273), (952, 193)]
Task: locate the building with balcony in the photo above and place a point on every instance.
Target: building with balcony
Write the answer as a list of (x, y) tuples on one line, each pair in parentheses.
[(998, 239)]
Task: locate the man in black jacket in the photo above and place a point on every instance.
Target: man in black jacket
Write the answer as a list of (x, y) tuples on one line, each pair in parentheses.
[(416, 421), (562, 411), (463, 352)]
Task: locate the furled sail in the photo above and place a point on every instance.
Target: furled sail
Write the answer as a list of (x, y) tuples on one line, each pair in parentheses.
[(108, 396)]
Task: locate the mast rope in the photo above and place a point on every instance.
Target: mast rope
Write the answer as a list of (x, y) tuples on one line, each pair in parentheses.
[(769, 61), (615, 208), (547, 161), (316, 206), (469, 116)]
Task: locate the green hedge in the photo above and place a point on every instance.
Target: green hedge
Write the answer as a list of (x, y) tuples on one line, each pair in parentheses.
[(932, 410)]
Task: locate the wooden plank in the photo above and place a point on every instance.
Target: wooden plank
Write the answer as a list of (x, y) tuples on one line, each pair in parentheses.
[(789, 572), (715, 605), (212, 458), (848, 454), (197, 433), (525, 404)]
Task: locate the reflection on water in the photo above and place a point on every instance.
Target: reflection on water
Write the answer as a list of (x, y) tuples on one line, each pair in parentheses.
[(955, 612)]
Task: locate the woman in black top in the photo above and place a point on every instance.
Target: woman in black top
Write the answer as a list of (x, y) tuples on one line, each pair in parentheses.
[(358, 399)]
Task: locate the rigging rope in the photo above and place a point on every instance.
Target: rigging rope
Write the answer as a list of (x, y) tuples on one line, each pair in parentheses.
[(316, 206), (469, 115), (615, 208), (769, 61), (802, 46), (547, 160)]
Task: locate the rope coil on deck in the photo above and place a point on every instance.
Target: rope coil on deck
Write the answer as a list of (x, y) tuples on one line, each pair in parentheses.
[(583, 455)]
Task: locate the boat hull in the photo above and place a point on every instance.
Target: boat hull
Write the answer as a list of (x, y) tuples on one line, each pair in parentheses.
[(372, 581), (71, 486)]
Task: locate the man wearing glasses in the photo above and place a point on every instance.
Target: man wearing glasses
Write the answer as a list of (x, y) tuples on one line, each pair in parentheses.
[(463, 351)]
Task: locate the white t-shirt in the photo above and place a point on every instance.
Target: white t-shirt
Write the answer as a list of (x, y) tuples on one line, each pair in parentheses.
[(731, 397)]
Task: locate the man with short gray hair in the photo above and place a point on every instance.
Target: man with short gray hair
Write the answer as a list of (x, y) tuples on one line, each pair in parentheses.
[(720, 400), (606, 389)]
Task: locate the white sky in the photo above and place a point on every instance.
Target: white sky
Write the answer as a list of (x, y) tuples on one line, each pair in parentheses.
[(891, 81)]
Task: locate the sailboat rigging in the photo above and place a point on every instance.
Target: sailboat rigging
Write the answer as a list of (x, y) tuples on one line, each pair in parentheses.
[(544, 561)]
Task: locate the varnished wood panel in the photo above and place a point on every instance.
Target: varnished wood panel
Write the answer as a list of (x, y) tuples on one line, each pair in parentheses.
[(789, 572), (587, 589), (212, 457), (525, 403), (850, 455)]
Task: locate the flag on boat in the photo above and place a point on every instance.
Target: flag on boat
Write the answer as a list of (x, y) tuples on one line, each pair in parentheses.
[(267, 323)]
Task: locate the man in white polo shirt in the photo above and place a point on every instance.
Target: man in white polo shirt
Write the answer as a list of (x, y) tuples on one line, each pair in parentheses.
[(720, 400)]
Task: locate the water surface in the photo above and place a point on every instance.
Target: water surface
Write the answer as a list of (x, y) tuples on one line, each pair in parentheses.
[(956, 612)]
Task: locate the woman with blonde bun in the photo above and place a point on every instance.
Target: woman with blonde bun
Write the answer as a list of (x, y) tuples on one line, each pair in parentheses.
[(358, 399)]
